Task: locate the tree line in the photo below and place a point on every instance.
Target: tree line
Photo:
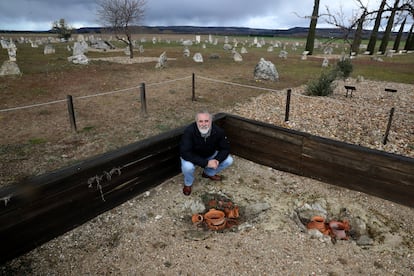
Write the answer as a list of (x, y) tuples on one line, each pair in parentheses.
[(395, 13)]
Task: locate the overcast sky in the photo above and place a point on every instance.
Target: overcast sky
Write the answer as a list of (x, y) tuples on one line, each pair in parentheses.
[(35, 15)]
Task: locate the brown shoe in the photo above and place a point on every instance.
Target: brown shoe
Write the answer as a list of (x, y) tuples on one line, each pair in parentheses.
[(187, 190), (215, 177)]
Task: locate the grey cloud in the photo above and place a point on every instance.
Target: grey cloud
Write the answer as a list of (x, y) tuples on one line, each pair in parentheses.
[(261, 13)]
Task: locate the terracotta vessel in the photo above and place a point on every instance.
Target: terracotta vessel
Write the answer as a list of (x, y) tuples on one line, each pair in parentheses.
[(318, 222)]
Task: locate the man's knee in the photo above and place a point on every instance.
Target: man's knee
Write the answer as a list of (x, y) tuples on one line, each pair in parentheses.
[(228, 161), (187, 166)]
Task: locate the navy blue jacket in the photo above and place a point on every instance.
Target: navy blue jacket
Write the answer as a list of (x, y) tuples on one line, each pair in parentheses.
[(197, 149)]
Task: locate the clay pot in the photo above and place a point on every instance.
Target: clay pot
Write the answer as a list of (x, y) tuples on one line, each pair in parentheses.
[(197, 218), (232, 212), (215, 219), (317, 222), (338, 229)]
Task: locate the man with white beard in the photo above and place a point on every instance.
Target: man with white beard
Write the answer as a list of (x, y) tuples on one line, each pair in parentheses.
[(203, 144)]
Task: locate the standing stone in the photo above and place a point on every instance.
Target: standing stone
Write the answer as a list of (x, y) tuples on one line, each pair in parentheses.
[(283, 54), (198, 57), (141, 48), (49, 49), (4, 44), (126, 51), (227, 47), (187, 43), (33, 44), (186, 52), (79, 49), (237, 57), (162, 61), (265, 70), (12, 51), (243, 50), (9, 68), (328, 50), (325, 62)]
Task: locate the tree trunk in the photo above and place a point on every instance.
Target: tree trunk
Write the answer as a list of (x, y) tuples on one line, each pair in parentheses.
[(399, 35), (310, 42), (410, 41), (131, 46), (358, 34), (374, 33), (388, 29)]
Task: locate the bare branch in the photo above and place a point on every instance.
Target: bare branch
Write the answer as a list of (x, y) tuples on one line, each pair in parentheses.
[(121, 15)]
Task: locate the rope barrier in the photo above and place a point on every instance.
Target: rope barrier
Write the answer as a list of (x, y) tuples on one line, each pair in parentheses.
[(200, 77), (300, 95), (88, 96), (169, 81), (33, 105), (238, 84), (106, 93)]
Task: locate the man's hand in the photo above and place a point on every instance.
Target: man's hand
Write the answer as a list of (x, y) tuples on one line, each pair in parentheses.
[(213, 163)]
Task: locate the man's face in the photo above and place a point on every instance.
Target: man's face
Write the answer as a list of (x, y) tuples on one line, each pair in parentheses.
[(203, 123)]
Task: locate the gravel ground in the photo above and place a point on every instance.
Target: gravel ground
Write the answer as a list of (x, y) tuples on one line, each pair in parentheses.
[(152, 234)]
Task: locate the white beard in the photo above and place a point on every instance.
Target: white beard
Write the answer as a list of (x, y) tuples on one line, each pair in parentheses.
[(204, 130)]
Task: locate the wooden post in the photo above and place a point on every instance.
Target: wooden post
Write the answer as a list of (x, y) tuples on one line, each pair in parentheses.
[(289, 91), (143, 100), (388, 126), (71, 111), (193, 89)]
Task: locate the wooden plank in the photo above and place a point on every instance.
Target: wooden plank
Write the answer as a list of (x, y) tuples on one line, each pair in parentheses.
[(286, 135), (68, 178), (373, 172), (345, 153), (80, 189), (372, 162), (35, 231), (266, 151), (263, 143), (60, 200)]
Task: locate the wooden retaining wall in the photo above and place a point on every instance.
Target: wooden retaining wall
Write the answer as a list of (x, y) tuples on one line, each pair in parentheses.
[(46, 206), (385, 175)]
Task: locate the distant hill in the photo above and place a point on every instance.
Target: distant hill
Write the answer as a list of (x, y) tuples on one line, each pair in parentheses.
[(234, 31), (239, 31)]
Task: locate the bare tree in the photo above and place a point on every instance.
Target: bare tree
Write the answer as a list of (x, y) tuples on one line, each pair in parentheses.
[(388, 29), (310, 41), (121, 15), (399, 35), (374, 33), (409, 43), (356, 43), (351, 28)]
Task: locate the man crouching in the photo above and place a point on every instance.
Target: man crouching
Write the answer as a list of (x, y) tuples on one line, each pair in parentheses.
[(203, 144)]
